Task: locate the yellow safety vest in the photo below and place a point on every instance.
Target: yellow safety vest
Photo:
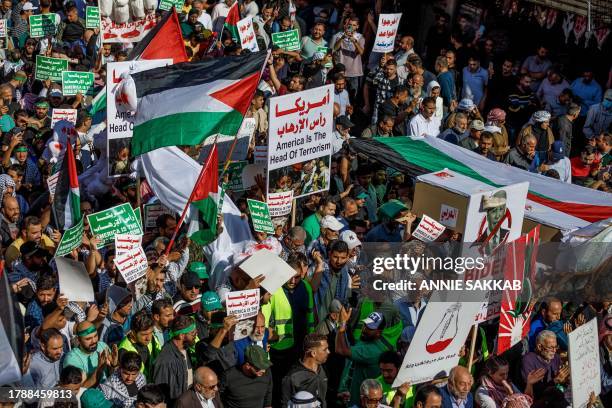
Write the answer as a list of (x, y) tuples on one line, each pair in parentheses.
[(281, 317), (127, 345)]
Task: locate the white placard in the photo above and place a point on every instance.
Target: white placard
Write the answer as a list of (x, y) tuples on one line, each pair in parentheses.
[(63, 114), (264, 262), (449, 215), (248, 40), (74, 282), (428, 229), (127, 243), (260, 155), (439, 336), (386, 32), (280, 203), (584, 363), (243, 303), (132, 264), (152, 212), (52, 184), (3, 31)]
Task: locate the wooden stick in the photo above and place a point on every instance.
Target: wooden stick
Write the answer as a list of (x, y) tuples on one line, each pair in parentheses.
[(472, 346), (293, 212)]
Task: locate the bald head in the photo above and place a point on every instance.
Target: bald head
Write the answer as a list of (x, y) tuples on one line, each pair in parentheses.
[(10, 209), (460, 382), (205, 382)]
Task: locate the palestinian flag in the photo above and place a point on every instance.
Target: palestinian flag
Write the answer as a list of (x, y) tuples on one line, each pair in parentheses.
[(553, 202), (183, 104), (231, 22), (67, 201), (202, 199)]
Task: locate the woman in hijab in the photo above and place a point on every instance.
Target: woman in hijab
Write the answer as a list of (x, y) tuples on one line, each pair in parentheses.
[(496, 391)]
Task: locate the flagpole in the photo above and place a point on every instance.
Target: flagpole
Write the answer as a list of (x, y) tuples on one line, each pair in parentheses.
[(184, 213)]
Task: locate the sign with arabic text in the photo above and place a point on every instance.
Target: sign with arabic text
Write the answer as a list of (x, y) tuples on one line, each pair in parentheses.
[(386, 32), (585, 369), (152, 212), (166, 5), (71, 239), (428, 229), (92, 17), (260, 216), (43, 25), (120, 219), (126, 243), (74, 82), (132, 31), (58, 115), (50, 68), (279, 204), (243, 303), (247, 34), (132, 264), (287, 40)]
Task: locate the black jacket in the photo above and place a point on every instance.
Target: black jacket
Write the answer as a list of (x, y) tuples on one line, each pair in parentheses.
[(171, 368), (300, 378)]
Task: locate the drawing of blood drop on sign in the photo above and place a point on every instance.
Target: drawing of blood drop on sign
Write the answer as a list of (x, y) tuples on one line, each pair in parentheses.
[(445, 332)]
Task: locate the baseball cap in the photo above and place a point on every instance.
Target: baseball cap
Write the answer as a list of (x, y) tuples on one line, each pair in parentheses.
[(557, 150), (335, 306), (199, 268), (31, 248), (374, 321), (344, 121), (256, 356), (330, 222), (466, 104), (391, 209), (350, 238), (190, 279), (211, 301), (28, 6), (477, 124), (56, 93)]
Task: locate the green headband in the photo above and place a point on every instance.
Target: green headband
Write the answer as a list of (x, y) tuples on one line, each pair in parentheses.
[(87, 331), (21, 78), (21, 149), (186, 330), (43, 104)]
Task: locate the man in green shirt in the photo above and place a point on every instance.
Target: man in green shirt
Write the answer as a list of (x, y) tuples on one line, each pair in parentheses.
[(389, 364), (314, 42), (311, 223), (364, 355), (92, 356)]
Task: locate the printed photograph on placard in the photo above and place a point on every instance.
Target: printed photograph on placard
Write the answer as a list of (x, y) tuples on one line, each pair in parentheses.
[(308, 177), (119, 157)]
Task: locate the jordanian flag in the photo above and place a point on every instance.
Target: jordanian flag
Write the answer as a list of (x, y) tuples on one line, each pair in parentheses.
[(231, 21), (183, 104), (67, 201), (201, 198)]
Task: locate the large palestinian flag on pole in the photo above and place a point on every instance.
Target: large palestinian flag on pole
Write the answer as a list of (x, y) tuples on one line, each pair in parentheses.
[(416, 156), (67, 200), (231, 21), (183, 104)]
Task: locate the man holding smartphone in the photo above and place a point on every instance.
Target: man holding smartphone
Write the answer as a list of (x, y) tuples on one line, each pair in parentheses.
[(348, 47)]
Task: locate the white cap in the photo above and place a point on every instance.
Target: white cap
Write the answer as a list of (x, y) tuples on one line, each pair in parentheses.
[(330, 222), (350, 238), (28, 6)]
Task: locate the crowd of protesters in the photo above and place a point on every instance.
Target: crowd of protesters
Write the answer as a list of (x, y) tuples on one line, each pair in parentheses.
[(314, 342)]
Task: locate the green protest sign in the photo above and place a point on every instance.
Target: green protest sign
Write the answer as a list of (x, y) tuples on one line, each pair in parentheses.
[(74, 82), (138, 216), (42, 25), (71, 239), (120, 219), (260, 216), (287, 40), (167, 4), (234, 172), (50, 68), (92, 17), (322, 49)]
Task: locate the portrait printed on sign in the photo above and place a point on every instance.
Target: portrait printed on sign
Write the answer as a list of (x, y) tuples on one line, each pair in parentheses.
[(302, 178)]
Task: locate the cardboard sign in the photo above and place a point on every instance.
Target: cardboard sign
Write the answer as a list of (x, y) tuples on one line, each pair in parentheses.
[(58, 115), (43, 25), (260, 216), (138, 216), (448, 215), (264, 262), (428, 229), (515, 315), (74, 282), (287, 40), (300, 141), (120, 219), (127, 243), (439, 336), (168, 4), (234, 173), (386, 32), (585, 369), (248, 40), (92, 17), (243, 303), (52, 183), (132, 264), (74, 82), (152, 212), (280, 204), (260, 155), (130, 32), (3, 28), (50, 68), (71, 239)]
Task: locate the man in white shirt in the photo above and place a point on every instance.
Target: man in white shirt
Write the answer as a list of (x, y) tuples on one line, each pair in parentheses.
[(425, 123), (203, 18), (219, 13), (559, 162), (406, 43)]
